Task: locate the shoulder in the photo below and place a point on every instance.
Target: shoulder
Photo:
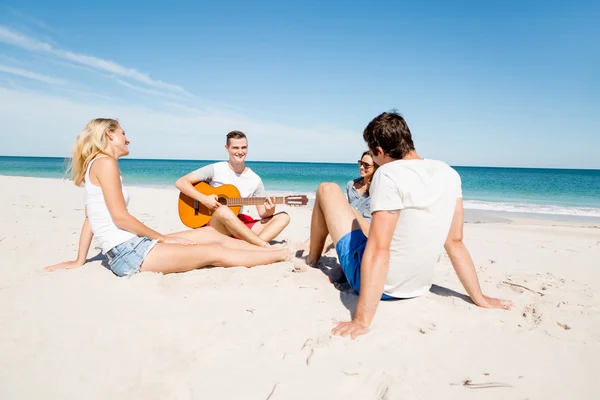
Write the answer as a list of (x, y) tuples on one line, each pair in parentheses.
[(389, 170), (217, 168), (385, 178), (447, 169), (105, 170), (219, 165), (104, 164), (251, 174)]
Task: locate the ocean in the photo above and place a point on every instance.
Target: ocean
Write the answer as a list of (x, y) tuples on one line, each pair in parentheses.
[(568, 192)]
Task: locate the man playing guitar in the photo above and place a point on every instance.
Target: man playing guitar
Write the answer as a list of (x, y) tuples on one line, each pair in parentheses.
[(235, 172)]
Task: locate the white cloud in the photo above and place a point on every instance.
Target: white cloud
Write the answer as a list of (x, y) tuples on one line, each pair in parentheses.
[(150, 92), (28, 43), (45, 122), (32, 75), (28, 18), (40, 124)]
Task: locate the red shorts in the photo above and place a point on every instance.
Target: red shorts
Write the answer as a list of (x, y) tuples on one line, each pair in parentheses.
[(246, 219)]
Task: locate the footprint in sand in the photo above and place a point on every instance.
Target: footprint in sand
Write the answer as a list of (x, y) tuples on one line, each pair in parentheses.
[(532, 314), (378, 384)]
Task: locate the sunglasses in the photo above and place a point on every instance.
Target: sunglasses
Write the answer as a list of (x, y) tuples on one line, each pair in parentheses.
[(364, 164)]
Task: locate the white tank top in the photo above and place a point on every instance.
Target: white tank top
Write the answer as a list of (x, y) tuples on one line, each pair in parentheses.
[(106, 233)]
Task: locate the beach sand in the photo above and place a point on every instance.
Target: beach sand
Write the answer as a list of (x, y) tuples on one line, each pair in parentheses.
[(264, 333)]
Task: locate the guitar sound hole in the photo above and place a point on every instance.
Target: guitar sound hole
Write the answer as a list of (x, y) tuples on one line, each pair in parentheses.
[(222, 200)]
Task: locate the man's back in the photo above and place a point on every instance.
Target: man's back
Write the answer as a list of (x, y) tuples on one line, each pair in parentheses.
[(425, 192)]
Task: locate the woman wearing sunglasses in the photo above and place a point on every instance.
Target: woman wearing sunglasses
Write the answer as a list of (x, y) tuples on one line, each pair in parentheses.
[(357, 190)]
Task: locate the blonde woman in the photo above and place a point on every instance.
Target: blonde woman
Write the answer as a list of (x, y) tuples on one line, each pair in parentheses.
[(129, 245)]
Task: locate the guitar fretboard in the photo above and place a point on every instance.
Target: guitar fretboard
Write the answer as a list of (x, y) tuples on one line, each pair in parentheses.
[(251, 201)]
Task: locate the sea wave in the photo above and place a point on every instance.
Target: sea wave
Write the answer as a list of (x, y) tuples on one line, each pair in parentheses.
[(525, 208), (532, 208)]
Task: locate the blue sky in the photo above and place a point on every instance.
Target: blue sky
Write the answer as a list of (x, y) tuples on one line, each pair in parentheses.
[(479, 83)]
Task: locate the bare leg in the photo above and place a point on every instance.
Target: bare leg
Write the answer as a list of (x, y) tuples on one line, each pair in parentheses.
[(226, 222), (268, 228), (331, 215), (362, 222), (170, 258), (209, 235), (326, 247)]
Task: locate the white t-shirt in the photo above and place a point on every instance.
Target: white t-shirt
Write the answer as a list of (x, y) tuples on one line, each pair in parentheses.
[(106, 234), (425, 192), (248, 183)]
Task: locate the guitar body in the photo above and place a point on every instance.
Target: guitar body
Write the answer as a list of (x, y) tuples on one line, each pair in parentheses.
[(194, 214)]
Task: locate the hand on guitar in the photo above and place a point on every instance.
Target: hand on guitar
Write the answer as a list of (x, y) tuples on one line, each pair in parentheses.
[(269, 205), (211, 202)]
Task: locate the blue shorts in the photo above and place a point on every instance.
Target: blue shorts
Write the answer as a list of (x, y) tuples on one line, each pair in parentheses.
[(125, 259), (350, 250)]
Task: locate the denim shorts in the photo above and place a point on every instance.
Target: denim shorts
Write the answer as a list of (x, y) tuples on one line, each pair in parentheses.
[(126, 259), (350, 250)]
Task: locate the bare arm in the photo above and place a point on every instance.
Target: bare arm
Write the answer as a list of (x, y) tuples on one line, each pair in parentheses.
[(373, 271), (106, 171), (186, 183), (375, 264), (463, 263), (365, 225), (85, 240), (267, 209)]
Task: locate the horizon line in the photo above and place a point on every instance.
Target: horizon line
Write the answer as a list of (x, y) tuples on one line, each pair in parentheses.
[(308, 162)]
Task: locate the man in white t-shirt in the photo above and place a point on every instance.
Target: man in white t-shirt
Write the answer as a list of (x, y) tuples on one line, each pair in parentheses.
[(235, 172), (417, 211)]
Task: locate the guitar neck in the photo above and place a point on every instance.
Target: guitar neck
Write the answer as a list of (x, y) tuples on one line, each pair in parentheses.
[(251, 201)]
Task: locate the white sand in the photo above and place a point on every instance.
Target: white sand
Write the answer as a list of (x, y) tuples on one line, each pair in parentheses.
[(247, 333)]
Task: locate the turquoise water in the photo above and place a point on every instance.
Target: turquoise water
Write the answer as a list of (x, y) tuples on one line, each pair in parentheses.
[(528, 190)]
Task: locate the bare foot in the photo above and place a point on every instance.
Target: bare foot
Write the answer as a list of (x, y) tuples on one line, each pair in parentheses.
[(302, 260), (302, 248)]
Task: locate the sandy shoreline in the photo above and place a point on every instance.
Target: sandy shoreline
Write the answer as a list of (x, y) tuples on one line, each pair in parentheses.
[(249, 333)]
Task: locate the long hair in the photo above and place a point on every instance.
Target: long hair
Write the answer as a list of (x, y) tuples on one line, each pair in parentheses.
[(90, 142), (375, 166)]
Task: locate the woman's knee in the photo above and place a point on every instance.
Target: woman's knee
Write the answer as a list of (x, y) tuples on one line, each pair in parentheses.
[(327, 187)]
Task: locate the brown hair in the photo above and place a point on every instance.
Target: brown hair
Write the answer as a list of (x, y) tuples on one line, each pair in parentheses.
[(390, 132), (375, 166), (236, 135)]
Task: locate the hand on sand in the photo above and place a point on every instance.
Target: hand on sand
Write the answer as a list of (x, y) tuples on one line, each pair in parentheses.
[(491, 302), (176, 240), (351, 328), (64, 265)]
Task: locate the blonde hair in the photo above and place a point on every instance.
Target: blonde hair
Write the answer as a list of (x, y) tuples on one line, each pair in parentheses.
[(90, 142)]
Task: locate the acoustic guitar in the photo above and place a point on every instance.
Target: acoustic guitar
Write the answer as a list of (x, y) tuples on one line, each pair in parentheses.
[(194, 214)]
